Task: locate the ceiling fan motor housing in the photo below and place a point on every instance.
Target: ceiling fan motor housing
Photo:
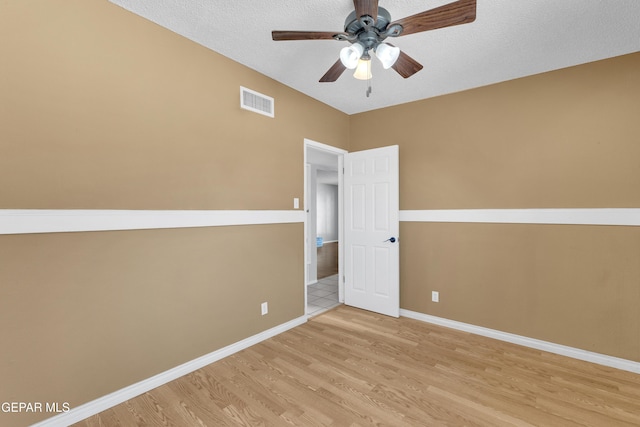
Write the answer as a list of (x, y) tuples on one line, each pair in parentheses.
[(368, 32)]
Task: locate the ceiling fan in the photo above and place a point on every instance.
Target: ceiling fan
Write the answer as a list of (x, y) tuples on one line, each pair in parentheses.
[(367, 27)]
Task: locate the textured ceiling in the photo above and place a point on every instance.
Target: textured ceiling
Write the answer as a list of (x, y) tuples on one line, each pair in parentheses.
[(508, 40)]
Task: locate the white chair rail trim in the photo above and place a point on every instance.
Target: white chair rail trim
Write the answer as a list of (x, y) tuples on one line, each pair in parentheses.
[(579, 216), (25, 221), (62, 221)]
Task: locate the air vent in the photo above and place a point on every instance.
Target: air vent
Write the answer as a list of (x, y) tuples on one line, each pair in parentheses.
[(256, 102)]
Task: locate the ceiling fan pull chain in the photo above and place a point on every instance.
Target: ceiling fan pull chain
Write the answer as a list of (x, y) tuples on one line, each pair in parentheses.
[(369, 79)]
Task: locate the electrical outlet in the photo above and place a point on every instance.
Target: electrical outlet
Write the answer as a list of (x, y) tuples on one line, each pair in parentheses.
[(296, 203), (265, 308), (435, 296)]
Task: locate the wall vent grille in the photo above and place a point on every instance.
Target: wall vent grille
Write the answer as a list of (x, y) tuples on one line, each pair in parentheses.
[(256, 102)]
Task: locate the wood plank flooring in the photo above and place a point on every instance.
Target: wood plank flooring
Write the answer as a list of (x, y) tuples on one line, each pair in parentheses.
[(349, 367)]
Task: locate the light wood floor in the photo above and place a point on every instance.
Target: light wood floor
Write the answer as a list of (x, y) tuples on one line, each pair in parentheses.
[(349, 367)]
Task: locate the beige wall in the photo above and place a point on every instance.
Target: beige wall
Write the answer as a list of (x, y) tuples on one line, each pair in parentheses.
[(564, 139), (100, 109), (86, 314)]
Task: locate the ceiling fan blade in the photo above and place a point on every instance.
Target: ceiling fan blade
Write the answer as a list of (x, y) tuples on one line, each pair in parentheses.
[(406, 66), (334, 72), (366, 8), (305, 35), (456, 13)]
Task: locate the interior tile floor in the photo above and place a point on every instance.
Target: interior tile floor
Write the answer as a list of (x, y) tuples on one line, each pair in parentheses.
[(323, 295)]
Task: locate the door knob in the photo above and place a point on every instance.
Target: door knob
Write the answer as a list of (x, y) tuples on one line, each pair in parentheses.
[(391, 239)]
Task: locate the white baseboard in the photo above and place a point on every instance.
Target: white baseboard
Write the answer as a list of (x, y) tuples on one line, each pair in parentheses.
[(103, 403), (576, 353)]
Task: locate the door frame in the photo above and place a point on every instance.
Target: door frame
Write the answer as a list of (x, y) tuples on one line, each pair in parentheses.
[(310, 240)]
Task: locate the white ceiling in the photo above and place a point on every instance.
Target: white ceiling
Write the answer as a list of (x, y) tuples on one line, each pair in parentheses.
[(508, 40)]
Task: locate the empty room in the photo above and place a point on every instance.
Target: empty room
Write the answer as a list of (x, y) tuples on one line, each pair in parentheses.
[(158, 240)]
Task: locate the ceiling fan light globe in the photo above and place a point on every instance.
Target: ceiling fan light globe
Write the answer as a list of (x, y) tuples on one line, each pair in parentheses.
[(387, 54), (363, 71), (350, 55)]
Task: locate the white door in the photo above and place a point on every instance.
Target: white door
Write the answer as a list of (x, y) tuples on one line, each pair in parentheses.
[(371, 230)]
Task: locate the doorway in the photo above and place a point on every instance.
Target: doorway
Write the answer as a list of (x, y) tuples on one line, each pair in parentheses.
[(323, 227), (368, 226)]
